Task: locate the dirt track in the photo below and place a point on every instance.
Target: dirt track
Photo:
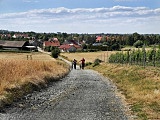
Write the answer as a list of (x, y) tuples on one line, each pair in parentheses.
[(82, 95)]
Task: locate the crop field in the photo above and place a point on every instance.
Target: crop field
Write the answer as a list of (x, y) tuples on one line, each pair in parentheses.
[(25, 56), (16, 69), (89, 56)]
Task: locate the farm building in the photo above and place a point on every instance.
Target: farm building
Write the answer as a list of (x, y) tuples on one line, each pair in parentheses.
[(20, 45)]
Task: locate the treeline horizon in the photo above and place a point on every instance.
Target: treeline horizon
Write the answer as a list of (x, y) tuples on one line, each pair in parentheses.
[(108, 39)]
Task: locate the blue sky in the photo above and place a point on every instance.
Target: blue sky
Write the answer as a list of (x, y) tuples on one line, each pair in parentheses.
[(81, 16)]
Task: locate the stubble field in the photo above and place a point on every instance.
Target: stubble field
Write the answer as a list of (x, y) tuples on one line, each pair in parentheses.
[(89, 56)]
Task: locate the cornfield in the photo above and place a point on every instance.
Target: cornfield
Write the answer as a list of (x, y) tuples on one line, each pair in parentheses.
[(137, 57)]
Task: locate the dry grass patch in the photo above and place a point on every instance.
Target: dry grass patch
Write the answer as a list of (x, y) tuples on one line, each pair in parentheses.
[(16, 73), (23, 56), (89, 56)]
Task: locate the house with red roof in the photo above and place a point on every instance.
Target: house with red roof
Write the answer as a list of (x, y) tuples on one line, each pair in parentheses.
[(70, 48), (52, 42), (98, 39)]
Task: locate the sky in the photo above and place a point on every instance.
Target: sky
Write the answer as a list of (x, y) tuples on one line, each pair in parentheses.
[(81, 16)]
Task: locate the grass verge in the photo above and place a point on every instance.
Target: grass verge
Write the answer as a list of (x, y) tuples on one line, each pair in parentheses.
[(140, 86)]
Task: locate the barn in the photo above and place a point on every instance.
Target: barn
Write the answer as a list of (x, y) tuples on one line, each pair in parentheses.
[(20, 45)]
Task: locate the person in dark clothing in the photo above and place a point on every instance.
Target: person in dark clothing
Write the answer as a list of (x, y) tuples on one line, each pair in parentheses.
[(82, 63), (74, 63)]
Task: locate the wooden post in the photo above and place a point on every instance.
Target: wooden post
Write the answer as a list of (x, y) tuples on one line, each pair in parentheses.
[(31, 57)]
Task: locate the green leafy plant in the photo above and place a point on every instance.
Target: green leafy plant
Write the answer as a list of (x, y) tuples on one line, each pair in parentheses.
[(138, 43), (96, 62), (55, 53)]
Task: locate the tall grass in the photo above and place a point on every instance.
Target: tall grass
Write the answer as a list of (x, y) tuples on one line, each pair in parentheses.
[(15, 73)]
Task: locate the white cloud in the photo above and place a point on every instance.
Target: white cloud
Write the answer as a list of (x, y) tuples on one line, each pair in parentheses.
[(116, 19)]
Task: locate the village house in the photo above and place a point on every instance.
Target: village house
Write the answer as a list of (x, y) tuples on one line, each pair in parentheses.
[(51, 42), (5, 36), (98, 39), (70, 48)]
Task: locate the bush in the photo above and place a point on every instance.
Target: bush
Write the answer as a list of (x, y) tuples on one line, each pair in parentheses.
[(47, 48), (115, 46), (96, 62), (55, 53), (138, 43), (51, 48)]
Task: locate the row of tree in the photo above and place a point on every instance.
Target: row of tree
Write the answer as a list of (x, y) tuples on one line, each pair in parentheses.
[(108, 41)]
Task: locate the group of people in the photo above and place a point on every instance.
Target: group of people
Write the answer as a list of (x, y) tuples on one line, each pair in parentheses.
[(82, 64)]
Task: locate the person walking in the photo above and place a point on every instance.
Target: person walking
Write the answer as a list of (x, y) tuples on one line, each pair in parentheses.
[(82, 63), (74, 63)]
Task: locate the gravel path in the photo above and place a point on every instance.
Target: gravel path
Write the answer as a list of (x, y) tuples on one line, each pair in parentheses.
[(82, 95)]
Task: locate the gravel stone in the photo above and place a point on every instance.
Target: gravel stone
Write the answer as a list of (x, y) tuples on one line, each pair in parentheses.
[(81, 95)]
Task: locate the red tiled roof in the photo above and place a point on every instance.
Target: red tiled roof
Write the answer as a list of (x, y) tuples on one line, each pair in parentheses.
[(67, 46), (52, 43), (76, 46), (99, 38)]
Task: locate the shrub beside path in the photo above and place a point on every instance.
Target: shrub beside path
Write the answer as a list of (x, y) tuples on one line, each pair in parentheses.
[(81, 95)]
